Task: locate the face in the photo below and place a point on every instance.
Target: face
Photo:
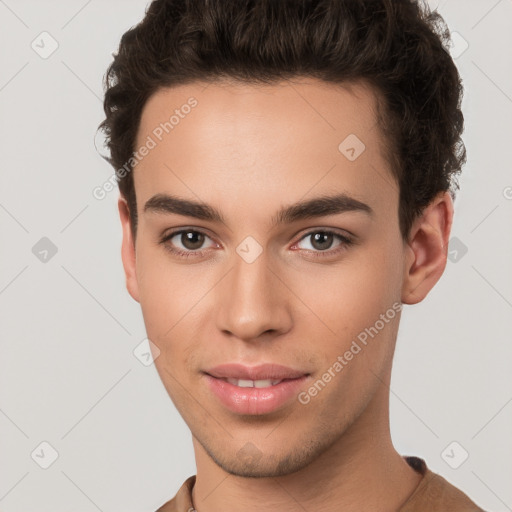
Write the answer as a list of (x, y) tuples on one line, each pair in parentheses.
[(252, 280)]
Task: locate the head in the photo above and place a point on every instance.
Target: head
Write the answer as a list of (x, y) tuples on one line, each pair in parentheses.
[(287, 171)]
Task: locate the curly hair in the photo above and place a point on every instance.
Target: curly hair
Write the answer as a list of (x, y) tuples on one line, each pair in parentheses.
[(399, 47)]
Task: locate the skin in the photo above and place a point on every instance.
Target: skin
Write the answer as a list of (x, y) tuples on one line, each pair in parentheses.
[(248, 151)]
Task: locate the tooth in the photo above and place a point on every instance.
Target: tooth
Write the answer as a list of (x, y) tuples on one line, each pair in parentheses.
[(262, 383), (245, 383)]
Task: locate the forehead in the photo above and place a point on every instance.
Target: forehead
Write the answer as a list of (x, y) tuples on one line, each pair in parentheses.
[(244, 109), (239, 140)]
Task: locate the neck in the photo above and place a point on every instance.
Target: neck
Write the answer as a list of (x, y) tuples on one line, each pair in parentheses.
[(361, 470)]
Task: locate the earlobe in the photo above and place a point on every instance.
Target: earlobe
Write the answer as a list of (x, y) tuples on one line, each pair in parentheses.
[(427, 249), (128, 250)]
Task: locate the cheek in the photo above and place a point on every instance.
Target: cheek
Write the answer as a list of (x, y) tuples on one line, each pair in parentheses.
[(172, 300), (345, 307), (166, 292), (352, 293)]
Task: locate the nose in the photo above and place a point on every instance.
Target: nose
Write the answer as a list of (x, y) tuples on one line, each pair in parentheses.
[(253, 300)]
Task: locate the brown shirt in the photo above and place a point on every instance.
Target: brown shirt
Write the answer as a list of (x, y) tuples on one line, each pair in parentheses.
[(433, 494)]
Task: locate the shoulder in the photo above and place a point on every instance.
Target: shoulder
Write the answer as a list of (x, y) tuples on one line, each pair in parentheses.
[(182, 502), (435, 493)]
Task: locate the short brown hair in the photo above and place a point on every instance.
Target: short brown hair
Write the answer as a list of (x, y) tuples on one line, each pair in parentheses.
[(397, 46)]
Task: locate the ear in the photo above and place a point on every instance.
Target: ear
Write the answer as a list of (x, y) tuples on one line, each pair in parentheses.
[(427, 249), (128, 250)]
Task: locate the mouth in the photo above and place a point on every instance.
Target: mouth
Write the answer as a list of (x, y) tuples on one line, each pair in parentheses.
[(246, 383), (263, 372), (254, 390)]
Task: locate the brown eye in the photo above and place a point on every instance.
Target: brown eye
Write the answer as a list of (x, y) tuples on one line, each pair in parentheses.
[(187, 242), (323, 240), (192, 240)]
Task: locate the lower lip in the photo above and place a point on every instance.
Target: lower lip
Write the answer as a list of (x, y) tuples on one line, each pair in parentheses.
[(255, 400)]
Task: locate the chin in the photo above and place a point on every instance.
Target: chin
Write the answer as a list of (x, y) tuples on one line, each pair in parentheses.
[(251, 462)]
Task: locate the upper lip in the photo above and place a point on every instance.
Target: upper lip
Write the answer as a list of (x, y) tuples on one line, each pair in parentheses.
[(261, 372)]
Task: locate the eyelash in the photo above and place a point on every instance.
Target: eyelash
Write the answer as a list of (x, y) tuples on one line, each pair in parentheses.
[(346, 243)]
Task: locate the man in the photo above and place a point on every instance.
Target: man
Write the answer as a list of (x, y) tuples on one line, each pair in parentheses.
[(286, 171)]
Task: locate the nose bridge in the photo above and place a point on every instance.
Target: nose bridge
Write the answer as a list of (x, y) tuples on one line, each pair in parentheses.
[(252, 301)]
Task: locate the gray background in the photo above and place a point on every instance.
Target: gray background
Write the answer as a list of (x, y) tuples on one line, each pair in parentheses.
[(68, 327)]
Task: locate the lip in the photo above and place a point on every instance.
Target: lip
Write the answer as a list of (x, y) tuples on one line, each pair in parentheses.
[(261, 372), (255, 401)]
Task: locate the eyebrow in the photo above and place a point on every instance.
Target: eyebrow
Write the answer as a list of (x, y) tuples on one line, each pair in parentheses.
[(312, 208)]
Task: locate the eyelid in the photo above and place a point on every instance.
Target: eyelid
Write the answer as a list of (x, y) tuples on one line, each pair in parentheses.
[(167, 236), (345, 237), (179, 231)]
